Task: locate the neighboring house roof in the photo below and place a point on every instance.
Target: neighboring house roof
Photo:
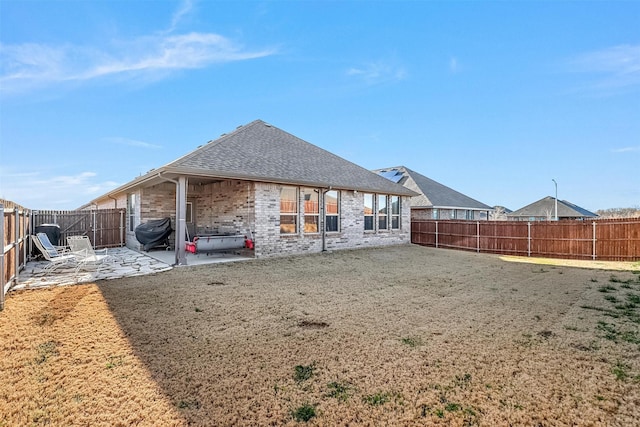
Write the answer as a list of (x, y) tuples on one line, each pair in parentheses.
[(431, 194), (545, 207), (261, 152)]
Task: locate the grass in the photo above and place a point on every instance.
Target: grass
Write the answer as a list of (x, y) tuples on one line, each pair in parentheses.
[(303, 372), (411, 342), (338, 391), (376, 399), (304, 412), (621, 371)]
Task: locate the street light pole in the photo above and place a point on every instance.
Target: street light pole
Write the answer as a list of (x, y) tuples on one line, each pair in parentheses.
[(556, 184)]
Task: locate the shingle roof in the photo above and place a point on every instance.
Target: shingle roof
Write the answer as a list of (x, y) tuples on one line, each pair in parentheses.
[(261, 152), (546, 206), (431, 193)]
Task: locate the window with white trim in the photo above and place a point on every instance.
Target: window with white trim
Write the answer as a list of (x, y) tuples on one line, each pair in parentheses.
[(369, 213), (288, 210), (332, 211), (395, 212), (311, 210), (382, 212)]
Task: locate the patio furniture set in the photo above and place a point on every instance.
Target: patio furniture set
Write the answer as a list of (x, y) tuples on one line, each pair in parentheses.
[(78, 253)]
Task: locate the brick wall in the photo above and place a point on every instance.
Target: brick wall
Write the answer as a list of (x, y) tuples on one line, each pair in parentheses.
[(270, 243), (254, 208)]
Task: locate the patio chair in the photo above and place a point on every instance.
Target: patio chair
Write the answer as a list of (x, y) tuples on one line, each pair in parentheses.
[(82, 249), (56, 255)]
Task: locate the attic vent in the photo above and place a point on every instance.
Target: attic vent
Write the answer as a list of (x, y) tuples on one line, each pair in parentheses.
[(223, 134), (239, 127), (267, 125)]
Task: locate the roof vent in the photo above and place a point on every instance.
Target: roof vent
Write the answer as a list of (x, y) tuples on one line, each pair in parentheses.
[(267, 125)]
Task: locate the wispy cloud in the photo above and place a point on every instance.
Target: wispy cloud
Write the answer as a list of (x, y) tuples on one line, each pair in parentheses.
[(627, 149), (616, 67), (129, 142), (33, 65), (183, 10), (378, 72)]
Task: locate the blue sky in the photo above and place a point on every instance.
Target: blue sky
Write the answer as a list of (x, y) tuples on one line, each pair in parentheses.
[(493, 99)]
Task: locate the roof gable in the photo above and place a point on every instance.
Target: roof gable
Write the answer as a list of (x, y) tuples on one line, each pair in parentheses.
[(546, 206), (261, 152), (432, 193)]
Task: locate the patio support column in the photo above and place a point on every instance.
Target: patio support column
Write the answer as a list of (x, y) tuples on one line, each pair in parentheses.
[(181, 220)]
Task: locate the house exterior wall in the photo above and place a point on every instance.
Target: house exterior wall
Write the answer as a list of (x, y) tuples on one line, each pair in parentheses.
[(448, 213), (270, 243), (253, 209), (223, 206)]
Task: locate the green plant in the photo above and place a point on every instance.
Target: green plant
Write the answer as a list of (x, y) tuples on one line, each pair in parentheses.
[(198, 310), (633, 298), (606, 289), (376, 399), (338, 390), (462, 380), (452, 407), (411, 342), (439, 413), (611, 298), (304, 372), (621, 371), (114, 361), (304, 412)]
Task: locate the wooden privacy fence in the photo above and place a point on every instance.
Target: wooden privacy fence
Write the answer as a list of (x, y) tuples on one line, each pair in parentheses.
[(105, 228), (607, 240), (13, 229)]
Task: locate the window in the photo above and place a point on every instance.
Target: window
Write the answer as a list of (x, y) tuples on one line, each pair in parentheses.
[(382, 212), (395, 212), (189, 212), (131, 209), (332, 211), (311, 210), (288, 210), (368, 212)]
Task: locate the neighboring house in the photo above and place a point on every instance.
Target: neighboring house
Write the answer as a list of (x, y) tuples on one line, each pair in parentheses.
[(285, 194), (434, 200), (545, 210)]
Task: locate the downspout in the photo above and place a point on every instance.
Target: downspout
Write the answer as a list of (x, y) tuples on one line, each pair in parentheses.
[(115, 202), (324, 219)]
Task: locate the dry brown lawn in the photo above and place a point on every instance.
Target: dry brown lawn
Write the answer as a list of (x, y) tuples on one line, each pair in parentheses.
[(400, 336)]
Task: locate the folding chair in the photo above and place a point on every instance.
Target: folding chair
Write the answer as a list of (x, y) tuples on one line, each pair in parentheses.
[(54, 254), (83, 250)]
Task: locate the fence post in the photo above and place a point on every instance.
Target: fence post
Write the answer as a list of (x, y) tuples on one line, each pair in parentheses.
[(436, 234), (594, 240), (2, 272), (121, 228), (528, 239), (16, 247), (478, 236)]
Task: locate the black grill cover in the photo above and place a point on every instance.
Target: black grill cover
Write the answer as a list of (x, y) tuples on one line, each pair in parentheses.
[(153, 233)]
